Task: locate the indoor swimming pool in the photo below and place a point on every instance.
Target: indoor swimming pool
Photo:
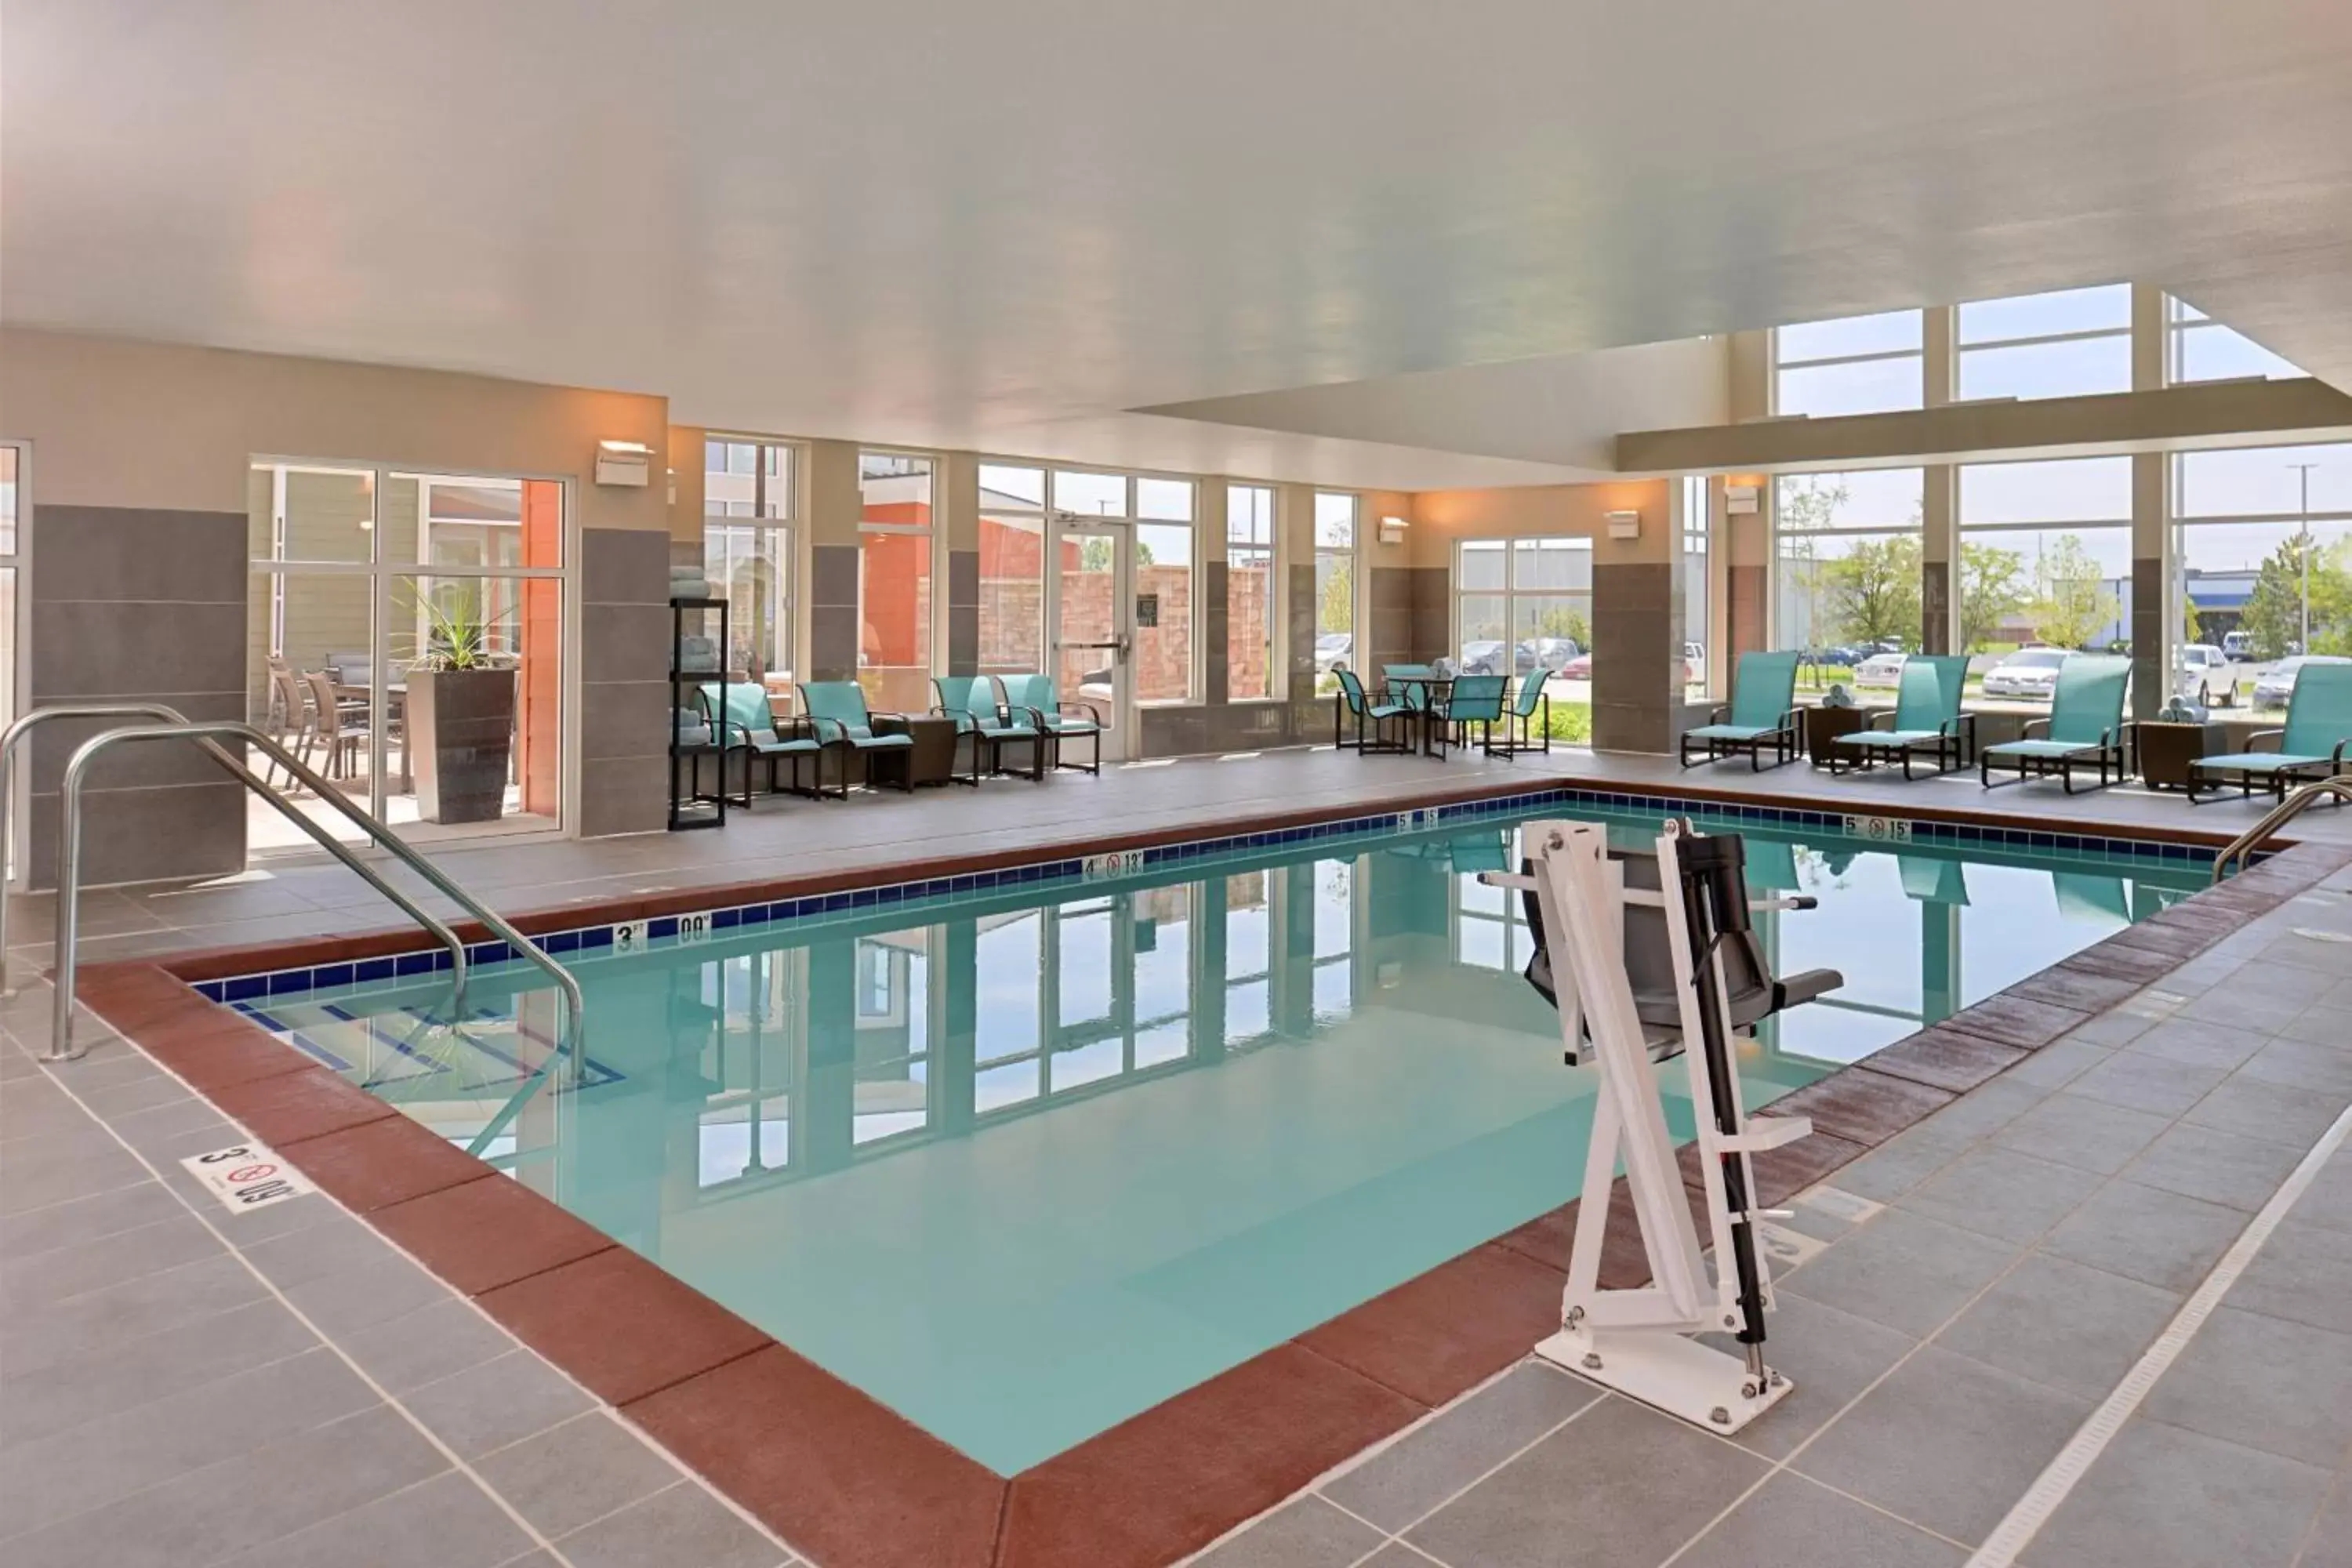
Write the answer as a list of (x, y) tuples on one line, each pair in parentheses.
[(1023, 1161)]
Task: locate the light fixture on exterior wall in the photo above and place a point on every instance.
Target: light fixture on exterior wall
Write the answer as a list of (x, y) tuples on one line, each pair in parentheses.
[(1392, 530), (1623, 524), (1739, 499), (623, 463)]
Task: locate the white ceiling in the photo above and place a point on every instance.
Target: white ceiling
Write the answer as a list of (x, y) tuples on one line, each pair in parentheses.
[(1004, 226)]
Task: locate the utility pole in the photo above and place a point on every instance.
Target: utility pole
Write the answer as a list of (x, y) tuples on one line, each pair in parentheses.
[(2303, 474)]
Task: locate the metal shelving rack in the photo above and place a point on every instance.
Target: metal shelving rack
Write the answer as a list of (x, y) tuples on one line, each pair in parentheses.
[(689, 806)]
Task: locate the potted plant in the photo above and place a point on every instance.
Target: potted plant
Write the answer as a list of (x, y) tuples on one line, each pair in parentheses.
[(460, 712)]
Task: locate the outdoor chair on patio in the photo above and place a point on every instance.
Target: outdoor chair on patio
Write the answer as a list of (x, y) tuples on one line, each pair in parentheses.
[(1522, 730), (1762, 714), (338, 724), (1927, 718), (1474, 699), (1030, 700), (2085, 727), (971, 700), (2312, 746), (1371, 719), (741, 721), (836, 716)]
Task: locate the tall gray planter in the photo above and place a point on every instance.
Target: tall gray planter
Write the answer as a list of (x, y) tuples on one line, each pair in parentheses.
[(460, 732)]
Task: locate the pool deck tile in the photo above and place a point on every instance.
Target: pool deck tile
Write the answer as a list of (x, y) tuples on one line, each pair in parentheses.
[(847, 1482), (1949, 1060), (2138, 964), (290, 1107), (489, 1232), (1153, 1489), (569, 1315), (1451, 1328), (2010, 1019), (2082, 990), (222, 1052), (1862, 1106), (380, 1163)]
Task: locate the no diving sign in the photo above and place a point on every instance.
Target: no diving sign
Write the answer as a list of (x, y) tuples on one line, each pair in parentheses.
[(246, 1177)]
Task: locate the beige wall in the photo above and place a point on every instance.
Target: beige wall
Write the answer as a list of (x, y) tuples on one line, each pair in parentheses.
[(685, 489), (124, 423), (1442, 517)]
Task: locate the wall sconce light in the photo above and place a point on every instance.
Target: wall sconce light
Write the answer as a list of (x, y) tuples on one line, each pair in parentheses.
[(1392, 530), (623, 463), (1739, 499), (1623, 524)]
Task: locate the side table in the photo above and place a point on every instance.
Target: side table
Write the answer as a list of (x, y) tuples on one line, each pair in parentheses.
[(931, 759), (1823, 725), (2166, 750)]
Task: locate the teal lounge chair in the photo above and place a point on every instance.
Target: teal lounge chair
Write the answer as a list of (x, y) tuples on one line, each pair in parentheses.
[(741, 721), (1522, 730), (1926, 718), (1762, 712), (1408, 685), (2312, 746), (1030, 700), (1474, 699), (836, 710), (2085, 726), (1369, 715), (970, 701)]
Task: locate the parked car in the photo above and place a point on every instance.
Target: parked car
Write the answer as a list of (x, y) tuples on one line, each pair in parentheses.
[(1846, 653), (2204, 675), (2277, 683), (1881, 669), (1553, 653), (2237, 647), (1577, 669), (1331, 651), (2030, 674)]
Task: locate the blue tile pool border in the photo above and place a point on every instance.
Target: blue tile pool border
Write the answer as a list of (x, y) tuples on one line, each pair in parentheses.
[(1110, 866)]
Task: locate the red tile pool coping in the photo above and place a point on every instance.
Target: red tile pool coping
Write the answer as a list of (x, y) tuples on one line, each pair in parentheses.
[(849, 1482)]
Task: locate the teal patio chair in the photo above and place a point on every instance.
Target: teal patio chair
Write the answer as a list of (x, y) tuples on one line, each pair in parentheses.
[(2085, 726), (1369, 714), (2312, 746), (1030, 700), (1762, 712), (1474, 699), (837, 715), (1523, 731), (970, 701), (1926, 718), (1413, 679), (741, 719)]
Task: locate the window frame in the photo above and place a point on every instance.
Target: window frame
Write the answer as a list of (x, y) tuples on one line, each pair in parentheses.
[(1781, 365), (1270, 549)]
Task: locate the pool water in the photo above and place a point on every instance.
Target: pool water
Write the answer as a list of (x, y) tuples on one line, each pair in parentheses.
[(1023, 1163)]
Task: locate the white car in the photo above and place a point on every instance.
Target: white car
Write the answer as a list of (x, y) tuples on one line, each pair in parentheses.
[(2204, 675), (2029, 675), (1881, 669)]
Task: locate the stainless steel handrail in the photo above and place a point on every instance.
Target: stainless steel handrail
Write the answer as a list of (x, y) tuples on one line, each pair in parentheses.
[(575, 1040), (2278, 817), (327, 841)]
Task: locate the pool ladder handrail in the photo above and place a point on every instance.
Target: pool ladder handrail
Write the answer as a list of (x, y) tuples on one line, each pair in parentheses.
[(16, 732), (573, 1040), (2278, 817)]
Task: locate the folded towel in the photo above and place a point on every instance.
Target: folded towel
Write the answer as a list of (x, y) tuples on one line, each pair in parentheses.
[(693, 588)]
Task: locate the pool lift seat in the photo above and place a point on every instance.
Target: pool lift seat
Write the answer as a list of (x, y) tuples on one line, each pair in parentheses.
[(1640, 1342), (1751, 992)]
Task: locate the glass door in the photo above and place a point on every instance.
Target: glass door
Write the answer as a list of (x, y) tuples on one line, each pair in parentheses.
[(12, 488), (1091, 626)]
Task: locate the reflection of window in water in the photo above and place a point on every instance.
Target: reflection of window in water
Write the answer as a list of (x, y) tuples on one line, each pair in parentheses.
[(1249, 957), (753, 1004), (1335, 937), (892, 976)]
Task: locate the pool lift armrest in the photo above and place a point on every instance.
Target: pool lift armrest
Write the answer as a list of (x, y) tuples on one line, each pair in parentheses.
[(1638, 1341)]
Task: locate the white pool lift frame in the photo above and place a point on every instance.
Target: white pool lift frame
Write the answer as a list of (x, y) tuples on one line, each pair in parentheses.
[(1638, 1341)]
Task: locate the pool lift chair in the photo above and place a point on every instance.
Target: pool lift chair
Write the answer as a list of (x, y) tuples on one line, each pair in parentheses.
[(1590, 949)]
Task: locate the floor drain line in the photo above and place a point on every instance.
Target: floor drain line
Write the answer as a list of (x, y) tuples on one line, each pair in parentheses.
[(2032, 1512)]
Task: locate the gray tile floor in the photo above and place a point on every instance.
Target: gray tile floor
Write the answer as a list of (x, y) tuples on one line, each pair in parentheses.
[(2035, 1238), (184, 1385)]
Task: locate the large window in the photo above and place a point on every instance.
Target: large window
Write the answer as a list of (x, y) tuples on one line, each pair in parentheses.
[(1249, 593), (1012, 569), (748, 504), (2198, 348), (894, 580), (2262, 549), (1847, 568), (1695, 586), (2069, 344), (1338, 638), (1857, 364), (1163, 590), (2045, 556), (1525, 609)]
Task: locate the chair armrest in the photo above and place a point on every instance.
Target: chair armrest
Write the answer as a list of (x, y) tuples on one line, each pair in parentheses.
[(1718, 714), (1083, 710), (817, 724), (1872, 721), (1791, 720), (2254, 741), (2031, 725)]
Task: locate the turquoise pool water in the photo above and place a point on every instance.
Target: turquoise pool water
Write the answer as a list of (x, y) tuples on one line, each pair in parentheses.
[(1023, 1163)]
